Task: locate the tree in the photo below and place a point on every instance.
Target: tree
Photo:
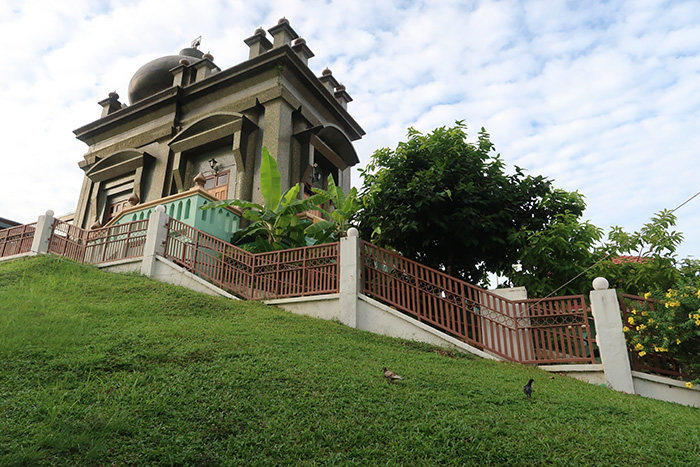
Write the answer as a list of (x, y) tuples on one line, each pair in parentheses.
[(447, 203), (555, 258), (643, 261)]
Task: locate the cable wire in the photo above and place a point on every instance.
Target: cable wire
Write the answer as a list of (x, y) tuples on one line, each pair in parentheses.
[(606, 256)]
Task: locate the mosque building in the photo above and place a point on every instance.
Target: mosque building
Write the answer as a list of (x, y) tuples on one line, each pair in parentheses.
[(193, 133)]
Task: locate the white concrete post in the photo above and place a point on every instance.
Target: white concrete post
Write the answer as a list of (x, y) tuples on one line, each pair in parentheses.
[(156, 236), (350, 277), (610, 337), (42, 234)]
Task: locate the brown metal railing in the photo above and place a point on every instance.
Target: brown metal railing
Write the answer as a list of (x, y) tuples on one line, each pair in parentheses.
[(123, 241), (16, 240), (651, 362), (554, 330), (559, 328), (296, 272), (287, 273), (112, 243)]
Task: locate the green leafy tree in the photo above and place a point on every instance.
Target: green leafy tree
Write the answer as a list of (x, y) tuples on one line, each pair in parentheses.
[(554, 259), (447, 203), (643, 261)]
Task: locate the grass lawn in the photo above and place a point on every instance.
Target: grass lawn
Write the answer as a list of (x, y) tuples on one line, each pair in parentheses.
[(107, 369)]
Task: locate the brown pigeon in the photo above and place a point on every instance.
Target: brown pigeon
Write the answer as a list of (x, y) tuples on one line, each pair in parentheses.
[(390, 375)]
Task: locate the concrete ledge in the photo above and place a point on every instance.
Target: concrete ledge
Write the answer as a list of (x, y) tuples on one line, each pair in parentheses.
[(122, 265), (378, 318), (17, 256), (593, 373), (167, 271), (665, 389), (375, 317), (318, 306)]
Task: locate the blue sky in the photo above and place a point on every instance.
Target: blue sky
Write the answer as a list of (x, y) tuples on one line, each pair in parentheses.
[(602, 97)]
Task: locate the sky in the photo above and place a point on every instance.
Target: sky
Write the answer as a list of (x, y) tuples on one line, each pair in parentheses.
[(603, 97)]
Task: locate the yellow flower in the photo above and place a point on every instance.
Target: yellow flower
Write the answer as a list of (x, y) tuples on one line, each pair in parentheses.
[(648, 294), (639, 346), (631, 319), (651, 320), (642, 353), (634, 312), (641, 327), (670, 328), (644, 313), (698, 294), (625, 329), (662, 349), (672, 303), (689, 385), (678, 341)]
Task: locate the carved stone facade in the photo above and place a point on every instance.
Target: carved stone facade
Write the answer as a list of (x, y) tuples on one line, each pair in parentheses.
[(187, 116)]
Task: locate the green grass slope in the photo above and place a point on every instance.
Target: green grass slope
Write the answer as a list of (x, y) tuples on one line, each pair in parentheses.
[(106, 369)]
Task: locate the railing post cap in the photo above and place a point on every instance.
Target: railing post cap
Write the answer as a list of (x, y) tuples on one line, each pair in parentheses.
[(49, 213), (600, 283), (160, 208), (353, 232)]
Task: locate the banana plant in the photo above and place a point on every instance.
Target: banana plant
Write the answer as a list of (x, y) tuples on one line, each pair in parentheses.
[(274, 225), (345, 208)]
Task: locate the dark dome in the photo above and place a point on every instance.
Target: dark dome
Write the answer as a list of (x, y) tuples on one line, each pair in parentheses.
[(155, 76)]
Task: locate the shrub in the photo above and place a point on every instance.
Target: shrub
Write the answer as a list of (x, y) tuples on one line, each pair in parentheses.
[(671, 326)]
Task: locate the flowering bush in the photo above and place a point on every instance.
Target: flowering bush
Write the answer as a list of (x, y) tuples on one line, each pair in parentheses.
[(670, 324)]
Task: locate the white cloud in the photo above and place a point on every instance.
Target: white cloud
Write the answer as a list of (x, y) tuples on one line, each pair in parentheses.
[(601, 96)]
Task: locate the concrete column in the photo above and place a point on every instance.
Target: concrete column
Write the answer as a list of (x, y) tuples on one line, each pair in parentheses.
[(277, 137), (328, 80), (110, 105), (342, 96), (350, 272), (258, 43), (610, 338), (302, 50), (156, 236), (42, 234), (282, 33)]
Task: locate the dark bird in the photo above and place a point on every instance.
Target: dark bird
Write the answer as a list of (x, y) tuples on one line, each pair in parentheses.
[(390, 375), (528, 388)]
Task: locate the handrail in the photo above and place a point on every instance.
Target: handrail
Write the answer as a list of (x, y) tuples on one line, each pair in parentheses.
[(96, 246), (16, 240), (552, 330), (293, 272)]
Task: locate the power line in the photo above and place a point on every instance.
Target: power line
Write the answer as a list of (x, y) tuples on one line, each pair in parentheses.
[(686, 202), (607, 255)]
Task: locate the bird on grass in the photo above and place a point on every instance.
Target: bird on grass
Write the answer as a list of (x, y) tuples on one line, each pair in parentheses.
[(528, 388), (390, 375)]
